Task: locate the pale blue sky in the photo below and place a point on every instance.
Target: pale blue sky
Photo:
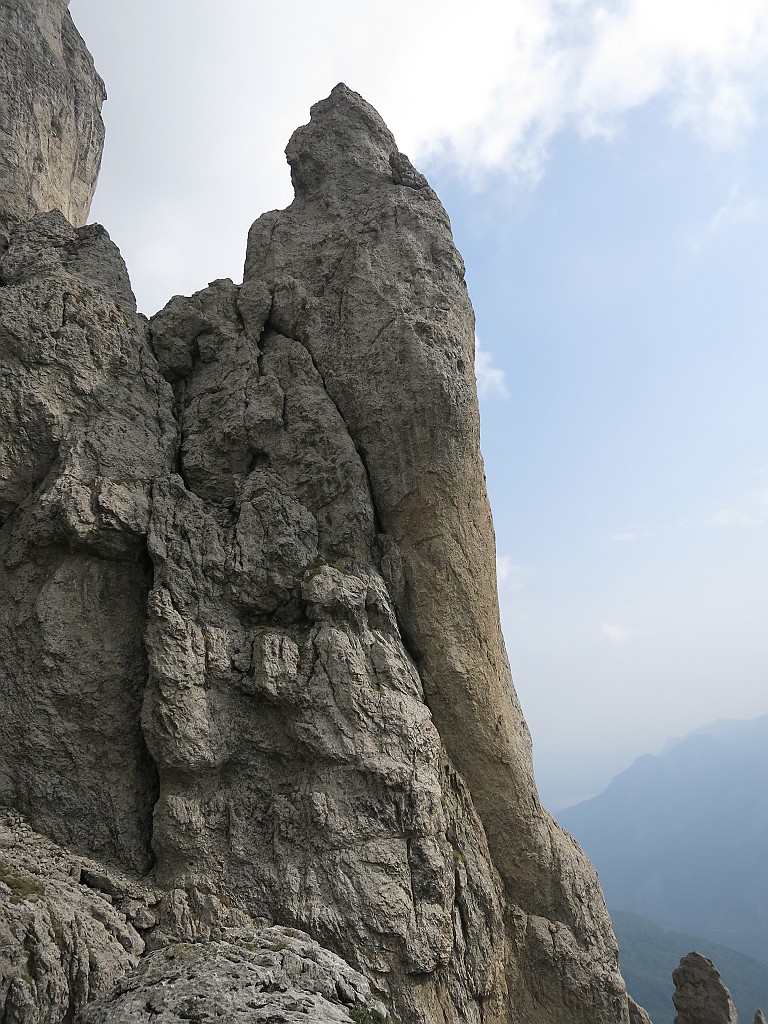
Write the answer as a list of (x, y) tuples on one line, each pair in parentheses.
[(625, 299), (604, 166)]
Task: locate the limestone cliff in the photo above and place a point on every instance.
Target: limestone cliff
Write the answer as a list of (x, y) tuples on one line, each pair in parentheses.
[(251, 665)]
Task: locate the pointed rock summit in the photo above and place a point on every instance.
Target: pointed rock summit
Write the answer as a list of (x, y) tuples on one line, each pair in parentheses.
[(255, 691)]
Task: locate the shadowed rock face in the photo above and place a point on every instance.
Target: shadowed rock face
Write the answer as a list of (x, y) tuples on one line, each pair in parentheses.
[(86, 424), (51, 132), (249, 633)]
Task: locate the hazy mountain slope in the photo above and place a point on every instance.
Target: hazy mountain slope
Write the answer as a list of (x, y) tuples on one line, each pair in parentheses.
[(650, 953), (683, 838)]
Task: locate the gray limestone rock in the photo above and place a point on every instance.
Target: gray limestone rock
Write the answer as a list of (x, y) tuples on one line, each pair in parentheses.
[(637, 1015), (48, 244), (253, 976), (51, 132), (759, 1017), (86, 424), (700, 997), (62, 942), (87, 944)]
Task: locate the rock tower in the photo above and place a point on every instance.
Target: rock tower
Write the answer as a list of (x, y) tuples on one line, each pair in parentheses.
[(700, 996)]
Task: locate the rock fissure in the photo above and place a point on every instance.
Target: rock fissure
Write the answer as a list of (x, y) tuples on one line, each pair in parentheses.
[(358, 447)]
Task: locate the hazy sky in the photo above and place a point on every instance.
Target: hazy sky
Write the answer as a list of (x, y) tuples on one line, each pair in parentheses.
[(605, 169)]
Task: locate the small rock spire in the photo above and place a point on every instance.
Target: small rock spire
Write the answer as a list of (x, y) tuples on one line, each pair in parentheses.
[(700, 996)]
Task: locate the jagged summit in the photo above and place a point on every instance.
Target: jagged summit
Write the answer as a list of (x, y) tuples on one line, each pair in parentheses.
[(344, 145), (252, 671)]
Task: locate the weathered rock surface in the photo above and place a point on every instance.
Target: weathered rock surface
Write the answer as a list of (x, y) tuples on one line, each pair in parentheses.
[(86, 424), (51, 132), (62, 943), (250, 653), (759, 1017), (298, 763), (262, 976), (700, 997), (72, 934)]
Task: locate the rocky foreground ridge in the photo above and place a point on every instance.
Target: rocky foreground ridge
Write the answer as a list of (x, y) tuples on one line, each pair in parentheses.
[(260, 750)]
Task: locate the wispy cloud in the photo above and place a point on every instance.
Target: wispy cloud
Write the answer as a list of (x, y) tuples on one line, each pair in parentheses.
[(750, 510), (735, 517), (617, 634), (737, 209), (509, 574), (486, 92), (630, 535), (491, 380)]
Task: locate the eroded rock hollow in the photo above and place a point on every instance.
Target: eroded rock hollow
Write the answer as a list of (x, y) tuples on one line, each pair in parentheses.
[(252, 671)]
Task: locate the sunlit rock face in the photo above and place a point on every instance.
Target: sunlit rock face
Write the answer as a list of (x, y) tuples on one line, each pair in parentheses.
[(249, 636), (51, 132)]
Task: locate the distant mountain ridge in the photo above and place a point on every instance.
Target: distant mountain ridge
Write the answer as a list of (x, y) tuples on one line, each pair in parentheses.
[(649, 953), (682, 838), (747, 733)]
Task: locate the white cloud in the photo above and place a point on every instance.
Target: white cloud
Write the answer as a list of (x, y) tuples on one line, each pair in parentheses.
[(537, 66), (485, 87), (508, 574), (617, 634), (491, 380)]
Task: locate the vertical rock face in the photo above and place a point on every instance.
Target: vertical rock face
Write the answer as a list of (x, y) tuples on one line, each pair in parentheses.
[(700, 997), (85, 425), (249, 635), (51, 132)]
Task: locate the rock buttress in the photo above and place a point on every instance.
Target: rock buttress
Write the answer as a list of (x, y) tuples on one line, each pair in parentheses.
[(86, 424)]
